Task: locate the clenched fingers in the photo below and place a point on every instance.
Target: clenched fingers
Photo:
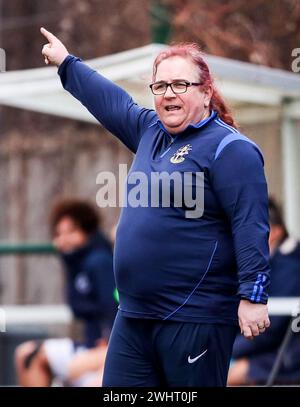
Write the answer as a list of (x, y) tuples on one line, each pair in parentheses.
[(246, 331), (45, 52)]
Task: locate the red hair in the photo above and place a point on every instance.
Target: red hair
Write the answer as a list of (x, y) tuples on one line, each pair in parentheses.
[(192, 51)]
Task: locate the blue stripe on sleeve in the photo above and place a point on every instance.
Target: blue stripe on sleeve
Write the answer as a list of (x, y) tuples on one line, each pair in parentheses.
[(229, 139)]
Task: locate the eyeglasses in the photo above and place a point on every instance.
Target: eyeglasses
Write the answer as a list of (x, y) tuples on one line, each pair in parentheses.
[(159, 88)]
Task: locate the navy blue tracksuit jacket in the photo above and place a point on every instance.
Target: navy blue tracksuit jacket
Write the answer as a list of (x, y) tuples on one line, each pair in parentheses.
[(168, 266), (90, 287)]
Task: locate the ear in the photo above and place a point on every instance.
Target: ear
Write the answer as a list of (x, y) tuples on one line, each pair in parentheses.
[(208, 92), (207, 96)]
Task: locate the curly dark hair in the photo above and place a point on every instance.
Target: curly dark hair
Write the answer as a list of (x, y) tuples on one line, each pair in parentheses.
[(82, 212), (275, 215)]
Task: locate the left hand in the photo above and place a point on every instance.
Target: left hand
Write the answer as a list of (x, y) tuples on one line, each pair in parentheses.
[(253, 318)]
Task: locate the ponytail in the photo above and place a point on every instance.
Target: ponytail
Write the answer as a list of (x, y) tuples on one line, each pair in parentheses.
[(217, 103)]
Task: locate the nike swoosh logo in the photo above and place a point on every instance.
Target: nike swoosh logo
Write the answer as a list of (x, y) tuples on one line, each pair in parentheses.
[(192, 360)]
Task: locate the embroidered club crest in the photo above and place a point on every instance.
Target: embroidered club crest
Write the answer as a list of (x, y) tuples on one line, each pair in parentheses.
[(179, 156)]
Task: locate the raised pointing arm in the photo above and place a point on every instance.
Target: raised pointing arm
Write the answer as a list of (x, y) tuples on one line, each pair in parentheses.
[(107, 102)]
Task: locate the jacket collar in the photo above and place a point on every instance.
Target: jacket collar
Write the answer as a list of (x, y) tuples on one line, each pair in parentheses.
[(198, 125)]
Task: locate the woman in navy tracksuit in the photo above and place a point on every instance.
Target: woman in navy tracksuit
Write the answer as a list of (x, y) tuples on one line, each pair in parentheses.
[(186, 274)]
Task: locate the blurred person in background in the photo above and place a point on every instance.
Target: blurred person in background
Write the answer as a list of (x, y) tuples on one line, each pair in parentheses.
[(253, 360), (87, 363), (87, 258)]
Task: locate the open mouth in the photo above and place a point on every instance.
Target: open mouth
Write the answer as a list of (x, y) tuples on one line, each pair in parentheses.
[(171, 108)]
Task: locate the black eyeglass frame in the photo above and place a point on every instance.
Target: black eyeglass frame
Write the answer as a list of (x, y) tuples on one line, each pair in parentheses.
[(167, 84)]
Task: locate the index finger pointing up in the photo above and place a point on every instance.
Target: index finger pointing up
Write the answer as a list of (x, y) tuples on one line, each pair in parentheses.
[(50, 37)]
